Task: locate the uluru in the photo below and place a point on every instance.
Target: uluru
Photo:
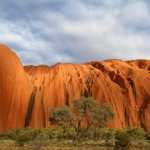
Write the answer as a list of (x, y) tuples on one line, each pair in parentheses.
[(28, 92)]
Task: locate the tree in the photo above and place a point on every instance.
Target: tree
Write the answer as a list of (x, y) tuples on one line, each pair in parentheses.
[(85, 115), (84, 109), (62, 117), (102, 114), (92, 114)]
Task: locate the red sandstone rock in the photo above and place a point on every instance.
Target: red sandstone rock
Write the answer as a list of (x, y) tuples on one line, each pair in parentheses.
[(15, 90), (123, 84)]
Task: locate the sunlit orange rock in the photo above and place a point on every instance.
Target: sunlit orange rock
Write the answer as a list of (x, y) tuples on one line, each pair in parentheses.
[(15, 90), (36, 89)]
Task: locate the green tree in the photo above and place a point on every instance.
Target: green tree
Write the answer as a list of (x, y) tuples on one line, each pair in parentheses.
[(91, 115), (62, 117), (102, 114), (85, 115), (84, 109)]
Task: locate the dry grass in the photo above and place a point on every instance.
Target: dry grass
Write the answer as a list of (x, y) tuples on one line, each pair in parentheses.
[(67, 145)]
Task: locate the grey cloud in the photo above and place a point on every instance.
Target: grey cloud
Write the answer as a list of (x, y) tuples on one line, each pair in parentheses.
[(53, 31)]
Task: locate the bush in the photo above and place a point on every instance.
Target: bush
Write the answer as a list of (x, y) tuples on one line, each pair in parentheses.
[(21, 136), (107, 134), (122, 138), (25, 135), (40, 141), (147, 136), (136, 134), (126, 136), (38, 138), (3, 137)]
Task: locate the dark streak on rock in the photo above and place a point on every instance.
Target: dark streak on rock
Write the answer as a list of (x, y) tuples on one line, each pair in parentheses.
[(87, 92), (142, 109), (30, 108), (132, 84), (126, 118)]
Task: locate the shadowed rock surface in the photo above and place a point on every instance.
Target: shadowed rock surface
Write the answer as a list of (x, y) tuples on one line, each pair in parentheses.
[(27, 93)]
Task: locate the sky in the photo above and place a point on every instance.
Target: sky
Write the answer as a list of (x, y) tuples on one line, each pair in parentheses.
[(52, 31)]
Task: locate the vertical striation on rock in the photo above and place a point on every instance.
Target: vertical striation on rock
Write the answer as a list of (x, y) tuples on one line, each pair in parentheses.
[(14, 90)]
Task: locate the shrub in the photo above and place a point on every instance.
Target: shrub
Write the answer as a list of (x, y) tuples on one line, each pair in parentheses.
[(3, 137), (136, 134), (40, 141), (147, 136), (126, 136), (25, 135), (122, 138), (107, 134), (21, 136)]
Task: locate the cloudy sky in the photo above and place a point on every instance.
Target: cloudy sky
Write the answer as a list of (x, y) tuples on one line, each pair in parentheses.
[(50, 31)]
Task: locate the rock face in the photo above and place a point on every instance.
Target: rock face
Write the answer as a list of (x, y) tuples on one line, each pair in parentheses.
[(15, 90), (27, 94)]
